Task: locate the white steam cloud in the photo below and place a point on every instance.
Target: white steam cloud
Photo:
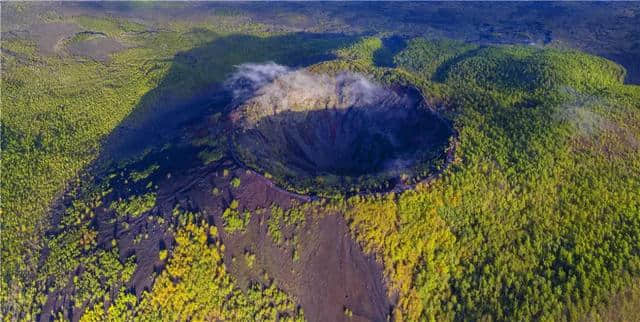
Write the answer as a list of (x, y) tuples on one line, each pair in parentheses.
[(271, 88), (251, 76), (581, 111)]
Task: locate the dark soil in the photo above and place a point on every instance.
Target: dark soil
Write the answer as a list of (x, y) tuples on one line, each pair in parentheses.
[(332, 272)]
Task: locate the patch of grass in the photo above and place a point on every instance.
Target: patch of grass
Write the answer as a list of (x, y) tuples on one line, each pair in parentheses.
[(135, 205), (162, 255), (234, 220), (280, 219), (211, 155), (348, 313), (273, 225), (137, 176), (624, 305), (250, 259), (235, 182)]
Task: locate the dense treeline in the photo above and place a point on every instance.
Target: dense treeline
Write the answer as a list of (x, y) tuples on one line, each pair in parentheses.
[(539, 216)]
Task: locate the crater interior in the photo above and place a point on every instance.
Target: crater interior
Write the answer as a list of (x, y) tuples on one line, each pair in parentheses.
[(317, 132)]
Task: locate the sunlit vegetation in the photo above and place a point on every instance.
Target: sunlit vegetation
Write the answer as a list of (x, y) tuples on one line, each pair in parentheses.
[(362, 52), (48, 135), (135, 205), (197, 286), (162, 255), (280, 219), (622, 306), (235, 182), (249, 258), (109, 25), (137, 176), (211, 155), (273, 225), (411, 238), (426, 57), (234, 219), (538, 218), (348, 313)]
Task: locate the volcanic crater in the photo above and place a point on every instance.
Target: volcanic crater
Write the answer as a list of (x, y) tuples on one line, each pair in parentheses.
[(315, 133)]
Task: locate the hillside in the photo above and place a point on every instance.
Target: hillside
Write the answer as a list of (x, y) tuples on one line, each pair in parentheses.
[(217, 165)]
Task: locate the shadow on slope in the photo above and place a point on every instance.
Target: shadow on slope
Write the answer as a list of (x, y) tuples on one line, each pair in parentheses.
[(173, 116), (193, 85)]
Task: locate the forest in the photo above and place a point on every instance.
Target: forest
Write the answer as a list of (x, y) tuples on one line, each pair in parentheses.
[(122, 198)]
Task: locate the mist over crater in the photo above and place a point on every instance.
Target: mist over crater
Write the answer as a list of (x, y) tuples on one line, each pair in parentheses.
[(314, 132)]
